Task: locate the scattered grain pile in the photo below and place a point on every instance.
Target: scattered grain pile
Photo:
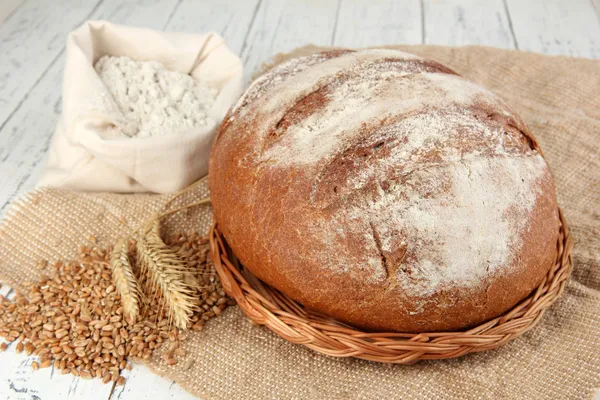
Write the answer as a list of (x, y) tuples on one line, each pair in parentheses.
[(74, 319)]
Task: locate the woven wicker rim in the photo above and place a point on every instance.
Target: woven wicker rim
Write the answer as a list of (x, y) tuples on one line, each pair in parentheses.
[(267, 306)]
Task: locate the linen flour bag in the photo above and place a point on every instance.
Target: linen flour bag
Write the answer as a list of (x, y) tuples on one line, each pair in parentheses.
[(96, 147)]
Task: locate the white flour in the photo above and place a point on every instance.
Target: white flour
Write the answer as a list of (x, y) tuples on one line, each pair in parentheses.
[(155, 101), (366, 98), (461, 237)]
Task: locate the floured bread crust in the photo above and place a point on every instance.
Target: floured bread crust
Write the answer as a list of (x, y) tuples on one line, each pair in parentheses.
[(384, 190)]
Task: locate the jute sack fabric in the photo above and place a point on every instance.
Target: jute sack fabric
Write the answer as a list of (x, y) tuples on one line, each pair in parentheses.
[(559, 359), (89, 150)]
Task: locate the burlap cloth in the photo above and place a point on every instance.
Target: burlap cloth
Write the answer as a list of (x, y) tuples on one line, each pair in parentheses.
[(560, 100)]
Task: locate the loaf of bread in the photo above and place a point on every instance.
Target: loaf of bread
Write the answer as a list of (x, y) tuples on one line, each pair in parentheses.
[(384, 190)]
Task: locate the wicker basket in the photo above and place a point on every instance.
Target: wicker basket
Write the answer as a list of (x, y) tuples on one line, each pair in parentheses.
[(290, 320)]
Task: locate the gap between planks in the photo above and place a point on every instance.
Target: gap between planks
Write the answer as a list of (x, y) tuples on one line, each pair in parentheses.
[(34, 75)]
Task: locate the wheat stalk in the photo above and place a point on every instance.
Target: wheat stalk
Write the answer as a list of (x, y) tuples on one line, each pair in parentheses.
[(124, 279), (166, 272), (161, 269)]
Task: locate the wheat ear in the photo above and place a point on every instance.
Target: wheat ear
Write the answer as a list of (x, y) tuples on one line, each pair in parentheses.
[(124, 279), (166, 270)]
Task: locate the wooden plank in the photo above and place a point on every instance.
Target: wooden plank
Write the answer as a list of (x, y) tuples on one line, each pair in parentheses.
[(5, 290), (19, 381), (7, 7), (143, 384), (153, 14), (282, 25), (229, 18), (460, 22), (378, 22), (15, 382), (596, 4), (26, 136), (31, 40), (24, 383), (569, 28)]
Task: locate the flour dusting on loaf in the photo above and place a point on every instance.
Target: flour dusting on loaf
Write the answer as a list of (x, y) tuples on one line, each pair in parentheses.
[(391, 176), (454, 224)]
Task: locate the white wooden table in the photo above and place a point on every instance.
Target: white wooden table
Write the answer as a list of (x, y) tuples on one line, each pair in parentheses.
[(32, 38)]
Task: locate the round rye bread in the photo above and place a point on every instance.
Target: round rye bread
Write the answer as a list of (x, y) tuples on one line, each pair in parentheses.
[(384, 190)]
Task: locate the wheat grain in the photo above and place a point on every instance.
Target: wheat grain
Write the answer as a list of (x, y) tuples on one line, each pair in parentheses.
[(75, 321)]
